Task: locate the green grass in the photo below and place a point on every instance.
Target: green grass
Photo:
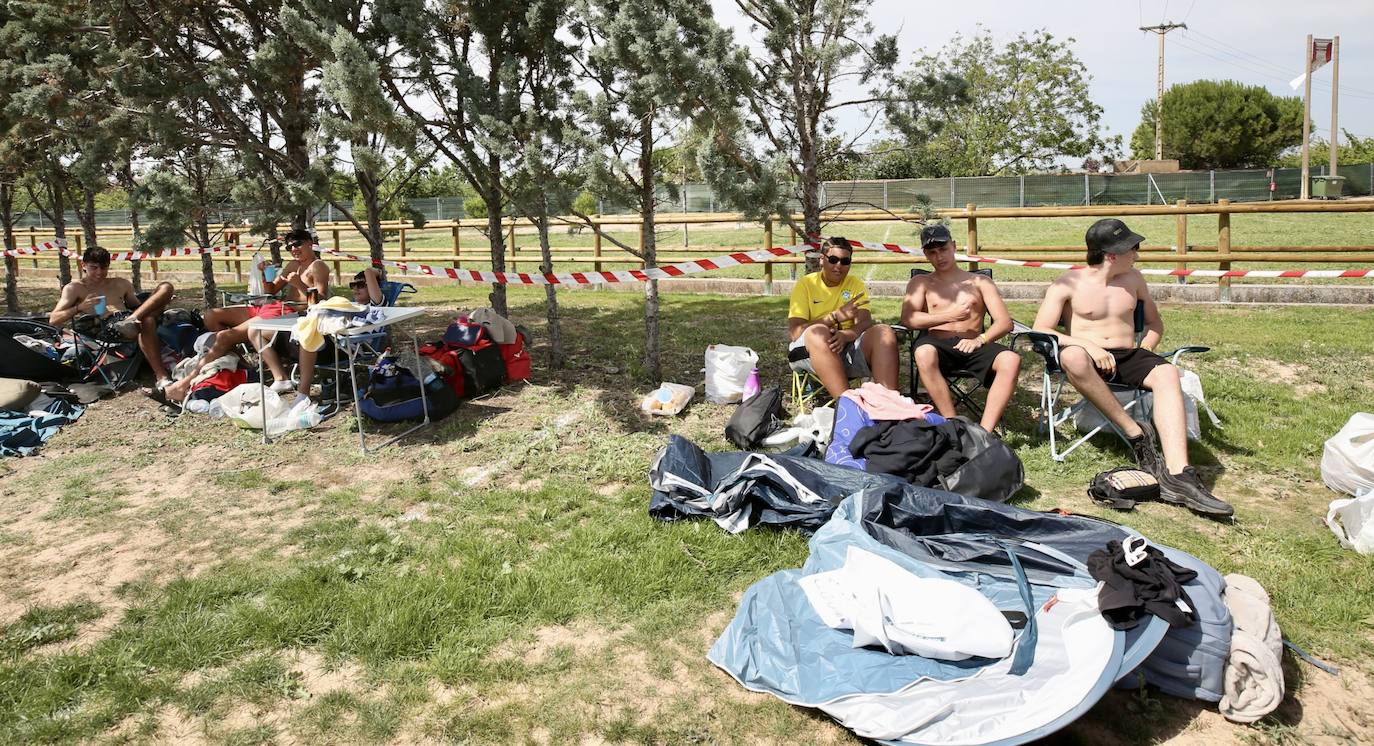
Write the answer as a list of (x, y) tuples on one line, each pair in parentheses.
[(542, 598)]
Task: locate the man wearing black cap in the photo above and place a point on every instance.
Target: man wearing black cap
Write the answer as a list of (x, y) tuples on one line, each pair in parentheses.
[(947, 306), (1097, 306)]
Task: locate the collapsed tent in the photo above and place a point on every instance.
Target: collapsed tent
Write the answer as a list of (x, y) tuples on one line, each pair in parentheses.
[(740, 489), (1031, 566)]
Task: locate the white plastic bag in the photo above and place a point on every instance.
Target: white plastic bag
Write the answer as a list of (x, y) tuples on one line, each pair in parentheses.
[(727, 370), (1348, 458), (256, 286), (815, 426), (1088, 417), (245, 404), (667, 399), (1351, 519)]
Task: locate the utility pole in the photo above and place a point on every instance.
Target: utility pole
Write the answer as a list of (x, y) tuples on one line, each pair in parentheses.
[(1160, 31)]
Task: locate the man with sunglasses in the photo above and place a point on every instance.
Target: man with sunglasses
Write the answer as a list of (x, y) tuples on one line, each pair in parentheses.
[(947, 308), (305, 282), (831, 330)]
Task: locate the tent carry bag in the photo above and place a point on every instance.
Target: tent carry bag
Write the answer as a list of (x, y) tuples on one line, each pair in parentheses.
[(757, 418)]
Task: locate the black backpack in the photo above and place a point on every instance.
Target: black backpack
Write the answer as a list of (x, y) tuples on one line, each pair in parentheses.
[(992, 471), (484, 369), (756, 419)]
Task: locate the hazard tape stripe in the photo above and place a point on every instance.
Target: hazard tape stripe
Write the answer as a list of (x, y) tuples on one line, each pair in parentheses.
[(1313, 273)]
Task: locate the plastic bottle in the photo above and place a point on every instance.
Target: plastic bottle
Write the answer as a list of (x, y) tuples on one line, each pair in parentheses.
[(300, 417), (199, 406), (751, 386)]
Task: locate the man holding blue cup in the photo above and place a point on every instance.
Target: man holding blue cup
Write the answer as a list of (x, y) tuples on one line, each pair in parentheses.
[(88, 302)]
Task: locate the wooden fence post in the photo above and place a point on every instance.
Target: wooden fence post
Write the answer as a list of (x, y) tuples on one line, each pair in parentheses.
[(768, 266), (596, 246), (1224, 250), (1181, 239), (338, 271), (402, 231), (972, 235), (792, 266), (457, 247)]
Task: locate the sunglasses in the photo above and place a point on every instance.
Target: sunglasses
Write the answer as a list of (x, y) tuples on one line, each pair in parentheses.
[(358, 284), (841, 260)]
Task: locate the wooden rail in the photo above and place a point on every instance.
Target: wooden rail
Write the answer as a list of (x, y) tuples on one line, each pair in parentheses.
[(442, 242)]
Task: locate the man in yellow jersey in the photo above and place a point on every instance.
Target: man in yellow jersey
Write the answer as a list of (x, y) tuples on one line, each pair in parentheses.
[(832, 331)]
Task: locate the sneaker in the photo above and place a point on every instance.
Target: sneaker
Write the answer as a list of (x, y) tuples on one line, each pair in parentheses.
[(1186, 489), (1143, 448), (127, 327), (281, 387)]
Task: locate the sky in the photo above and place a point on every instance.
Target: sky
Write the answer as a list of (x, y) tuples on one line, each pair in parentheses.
[(1259, 42)]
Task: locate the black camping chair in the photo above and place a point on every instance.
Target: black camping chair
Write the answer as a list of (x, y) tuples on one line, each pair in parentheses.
[(19, 361)]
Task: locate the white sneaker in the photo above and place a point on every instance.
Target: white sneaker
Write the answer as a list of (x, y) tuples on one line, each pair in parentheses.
[(281, 387)]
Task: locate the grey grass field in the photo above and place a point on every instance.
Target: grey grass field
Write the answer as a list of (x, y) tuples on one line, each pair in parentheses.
[(496, 578)]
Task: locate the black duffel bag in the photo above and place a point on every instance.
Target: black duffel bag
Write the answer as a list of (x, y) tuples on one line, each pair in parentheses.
[(757, 418)]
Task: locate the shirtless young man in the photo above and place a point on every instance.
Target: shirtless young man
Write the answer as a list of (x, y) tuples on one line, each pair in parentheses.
[(948, 306), (1097, 308), (831, 330), (97, 292), (306, 279)]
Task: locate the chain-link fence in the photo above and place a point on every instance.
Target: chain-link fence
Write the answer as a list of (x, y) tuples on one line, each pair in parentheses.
[(1038, 190)]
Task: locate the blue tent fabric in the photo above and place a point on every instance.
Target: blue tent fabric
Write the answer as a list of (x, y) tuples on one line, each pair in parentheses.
[(778, 644), (22, 433)]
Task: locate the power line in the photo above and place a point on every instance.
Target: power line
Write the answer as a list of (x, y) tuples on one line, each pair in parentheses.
[(1281, 72), (1244, 65)]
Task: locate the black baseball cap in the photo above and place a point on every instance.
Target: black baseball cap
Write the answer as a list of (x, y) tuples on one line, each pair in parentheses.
[(1111, 236), (932, 235)]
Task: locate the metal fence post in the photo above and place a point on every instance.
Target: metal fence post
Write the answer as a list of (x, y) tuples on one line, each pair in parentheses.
[(438, 209), (1021, 202), (951, 192), (1212, 186), (1087, 191), (885, 207)]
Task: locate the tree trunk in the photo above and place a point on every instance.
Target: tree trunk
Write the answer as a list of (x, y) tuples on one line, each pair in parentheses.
[(810, 198), (87, 216), (207, 262), (11, 263), (136, 266), (495, 236), (550, 291), (59, 229), (368, 188), (652, 360)]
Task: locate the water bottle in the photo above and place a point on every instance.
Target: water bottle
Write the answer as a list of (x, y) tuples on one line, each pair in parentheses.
[(199, 406), (751, 386)]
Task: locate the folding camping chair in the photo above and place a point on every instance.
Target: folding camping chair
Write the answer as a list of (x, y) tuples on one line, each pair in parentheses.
[(963, 384), (1053, 414), (113, 363), (367, 348)]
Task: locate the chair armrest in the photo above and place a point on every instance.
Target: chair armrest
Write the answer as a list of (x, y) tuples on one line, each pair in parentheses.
[(1180, 352), (1042, 343)]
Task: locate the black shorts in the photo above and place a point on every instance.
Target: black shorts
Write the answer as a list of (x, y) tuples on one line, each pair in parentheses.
[(1132, 366), (978, 363)]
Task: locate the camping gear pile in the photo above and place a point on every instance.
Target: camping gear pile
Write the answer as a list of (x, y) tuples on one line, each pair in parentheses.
[(926, 616)]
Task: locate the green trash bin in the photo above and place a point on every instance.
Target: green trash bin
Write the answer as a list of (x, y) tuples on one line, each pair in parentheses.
[(1327, 187)]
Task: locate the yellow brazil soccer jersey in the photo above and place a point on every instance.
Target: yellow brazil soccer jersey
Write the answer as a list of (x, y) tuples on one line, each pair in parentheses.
[(812, 298)]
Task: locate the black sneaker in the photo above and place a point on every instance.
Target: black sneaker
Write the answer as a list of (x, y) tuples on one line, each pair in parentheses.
[(1143, 448), (1186, 489)]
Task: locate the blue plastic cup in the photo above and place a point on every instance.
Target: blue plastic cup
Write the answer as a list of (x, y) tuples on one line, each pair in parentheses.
[(100, 306), (270, 272)]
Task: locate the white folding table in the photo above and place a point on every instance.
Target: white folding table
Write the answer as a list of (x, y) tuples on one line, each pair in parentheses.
[(390, 316)]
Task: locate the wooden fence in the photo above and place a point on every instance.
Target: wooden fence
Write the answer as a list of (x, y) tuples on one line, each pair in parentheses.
[(459, 243)]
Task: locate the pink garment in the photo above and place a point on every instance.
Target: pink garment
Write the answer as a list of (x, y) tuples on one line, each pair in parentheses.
[(882, 403)]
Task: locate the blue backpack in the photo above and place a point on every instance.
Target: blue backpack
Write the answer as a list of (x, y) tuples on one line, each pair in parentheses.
[(393, 395)]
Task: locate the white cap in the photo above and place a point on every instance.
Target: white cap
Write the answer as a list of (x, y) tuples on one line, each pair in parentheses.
[(204, 342)]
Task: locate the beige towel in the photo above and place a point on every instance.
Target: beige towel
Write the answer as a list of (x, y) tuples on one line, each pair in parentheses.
[(499, 327), (1254, 671)]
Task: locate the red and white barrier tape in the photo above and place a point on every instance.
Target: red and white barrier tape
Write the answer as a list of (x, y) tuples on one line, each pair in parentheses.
[(1327, 273), (30, 250), (664, 272), (61, 245)]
